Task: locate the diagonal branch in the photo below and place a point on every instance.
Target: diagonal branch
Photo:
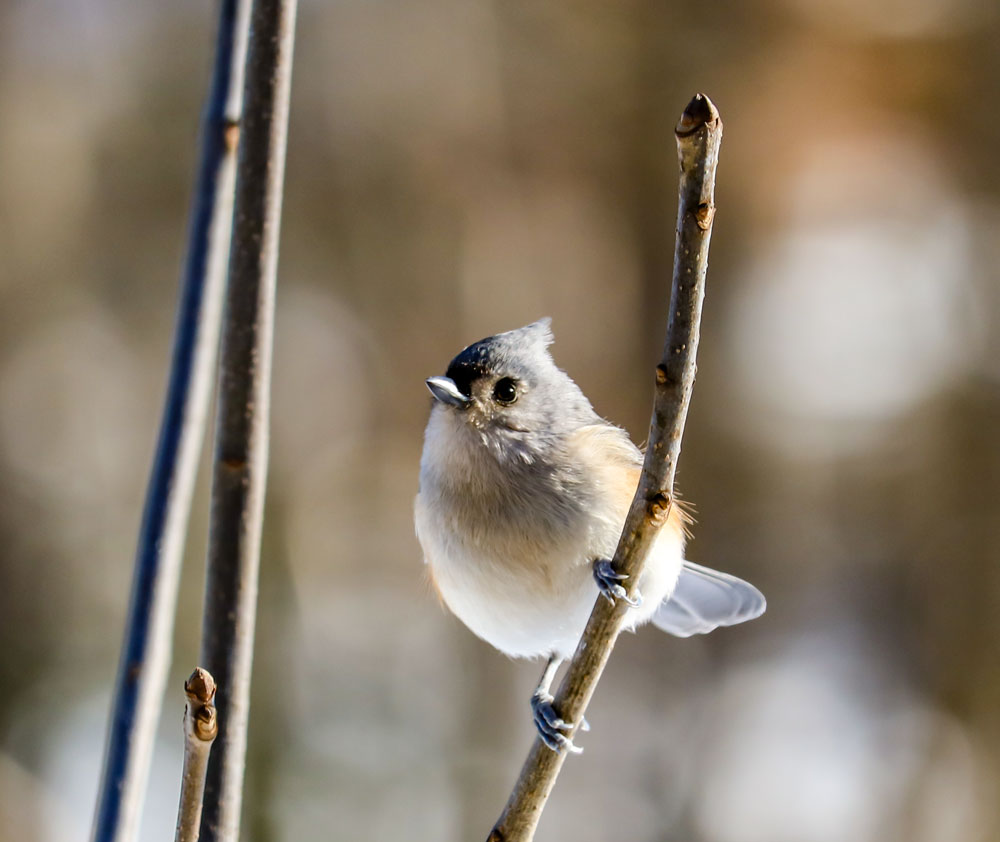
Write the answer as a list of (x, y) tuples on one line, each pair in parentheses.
[(145, 656), (699, 134), (241, 442)]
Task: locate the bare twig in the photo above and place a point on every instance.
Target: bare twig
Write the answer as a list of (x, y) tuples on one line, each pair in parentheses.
[(145, 655), (201, 725), (240, 466), (699, 133)]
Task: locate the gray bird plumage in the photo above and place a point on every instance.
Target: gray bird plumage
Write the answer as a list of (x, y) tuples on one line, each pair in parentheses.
[(523, 493), (549, 402), (704, 599), (534, 490)]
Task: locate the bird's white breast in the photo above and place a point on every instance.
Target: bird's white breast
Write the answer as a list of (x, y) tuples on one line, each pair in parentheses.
[(512, 558)]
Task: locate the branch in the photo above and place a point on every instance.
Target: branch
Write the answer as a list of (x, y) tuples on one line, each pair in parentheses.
[(240, 465), (201, 726), (145, 654), (699, 133)]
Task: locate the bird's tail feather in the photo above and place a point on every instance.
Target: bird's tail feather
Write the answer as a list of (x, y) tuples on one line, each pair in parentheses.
[(705, 599)]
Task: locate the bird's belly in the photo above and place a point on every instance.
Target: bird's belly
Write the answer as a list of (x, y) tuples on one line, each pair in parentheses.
[(529, 599), (523, 609)]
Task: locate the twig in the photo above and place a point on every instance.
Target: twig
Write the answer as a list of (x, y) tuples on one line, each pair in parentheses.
[(699, 133), (145, 655), (201, 725), (240, 465)]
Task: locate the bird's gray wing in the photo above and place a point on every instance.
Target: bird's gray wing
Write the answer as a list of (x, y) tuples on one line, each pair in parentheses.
[(705, 599)]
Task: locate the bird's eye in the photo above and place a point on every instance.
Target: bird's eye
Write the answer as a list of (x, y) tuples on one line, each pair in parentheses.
[(505, 391)]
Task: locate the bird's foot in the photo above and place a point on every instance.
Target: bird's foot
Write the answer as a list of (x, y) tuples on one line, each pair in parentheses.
[(551, 726), (609, 583)]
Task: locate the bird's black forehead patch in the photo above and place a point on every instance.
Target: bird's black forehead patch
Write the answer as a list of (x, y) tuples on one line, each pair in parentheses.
[(516, 353), (478, 356), (464, 374), (486, 358)]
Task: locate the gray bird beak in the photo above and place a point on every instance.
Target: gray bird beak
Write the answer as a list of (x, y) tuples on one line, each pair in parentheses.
[(445, 390)]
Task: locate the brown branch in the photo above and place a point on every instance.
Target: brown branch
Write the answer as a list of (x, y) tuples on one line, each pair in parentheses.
[(241, 442), (699, 133), (201, 726)]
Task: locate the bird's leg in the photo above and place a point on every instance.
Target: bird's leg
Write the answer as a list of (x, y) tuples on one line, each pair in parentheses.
[(549, 724), (609, 583)]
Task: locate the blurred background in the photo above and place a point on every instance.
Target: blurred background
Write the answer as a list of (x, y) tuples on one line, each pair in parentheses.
[(457, 168)]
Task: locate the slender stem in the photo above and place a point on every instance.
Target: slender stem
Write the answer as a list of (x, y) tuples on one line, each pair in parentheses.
[(145, 655), (699, 133), (201, 726), (240, 465)]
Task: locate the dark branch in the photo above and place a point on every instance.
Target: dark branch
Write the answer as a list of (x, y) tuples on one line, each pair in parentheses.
[(145, 655), (240, 466)]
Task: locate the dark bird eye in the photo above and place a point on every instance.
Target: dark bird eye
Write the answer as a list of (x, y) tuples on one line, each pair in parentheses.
[(505, 391)]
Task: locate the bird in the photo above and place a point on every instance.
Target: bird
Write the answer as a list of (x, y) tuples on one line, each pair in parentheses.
[(523, 494)]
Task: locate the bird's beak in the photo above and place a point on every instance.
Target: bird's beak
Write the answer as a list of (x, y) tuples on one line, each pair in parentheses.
[(445, 390)]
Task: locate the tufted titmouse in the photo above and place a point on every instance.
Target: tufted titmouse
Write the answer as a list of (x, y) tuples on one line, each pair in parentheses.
[(523, 494)]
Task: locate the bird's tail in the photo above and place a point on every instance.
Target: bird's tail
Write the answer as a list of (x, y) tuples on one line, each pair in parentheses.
[(705, 599)]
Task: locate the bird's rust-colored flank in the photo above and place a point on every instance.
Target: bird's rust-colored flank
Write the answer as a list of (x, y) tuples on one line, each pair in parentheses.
[(681, 517)]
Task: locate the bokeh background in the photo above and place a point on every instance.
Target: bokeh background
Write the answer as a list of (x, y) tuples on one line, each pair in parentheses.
[(461, 167)]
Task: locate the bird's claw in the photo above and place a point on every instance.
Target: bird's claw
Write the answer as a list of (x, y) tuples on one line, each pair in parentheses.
[(550, 725), (608, 583)]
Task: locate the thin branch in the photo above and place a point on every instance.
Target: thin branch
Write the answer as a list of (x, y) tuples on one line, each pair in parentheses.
[(145, 655), (240, 466), (699, 133), (201, 726)]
